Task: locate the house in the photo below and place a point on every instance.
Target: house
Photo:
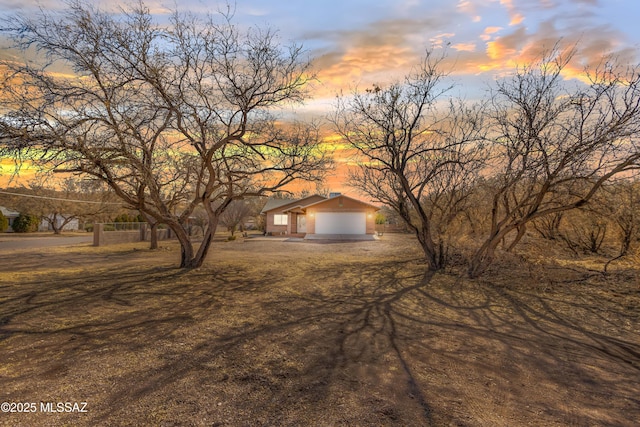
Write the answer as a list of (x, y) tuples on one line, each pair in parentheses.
[(59, 219), (11, 216), (317, 216)]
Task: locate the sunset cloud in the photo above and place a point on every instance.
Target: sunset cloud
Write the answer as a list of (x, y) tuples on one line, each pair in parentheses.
[(361, 66), (507, 46), (516, 17), (377, 53), (356, 47), (464, 47), (488, 32)]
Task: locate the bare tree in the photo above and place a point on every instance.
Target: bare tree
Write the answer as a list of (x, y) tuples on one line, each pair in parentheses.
[(415, 151), (555, 144), (235, 215), (549, 226), (622, 206), (585, 229), (171, 118)]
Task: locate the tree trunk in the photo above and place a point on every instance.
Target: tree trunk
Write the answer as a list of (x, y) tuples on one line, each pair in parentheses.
[(54, 226), (434, 259), (423, 234), (485, 255), (207, 239), (189, 258), (481, 260), (186, 247), (203, 250), (522, 229), (186, 254), (153, 223), (154, 235)]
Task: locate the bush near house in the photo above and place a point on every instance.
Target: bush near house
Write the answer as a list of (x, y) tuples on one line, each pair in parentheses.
[(26, 223), (4, 222)]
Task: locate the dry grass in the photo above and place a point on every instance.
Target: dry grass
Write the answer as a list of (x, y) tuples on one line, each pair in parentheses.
[(284, 333)]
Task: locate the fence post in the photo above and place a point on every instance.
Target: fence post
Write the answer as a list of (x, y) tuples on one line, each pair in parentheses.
[(98, 234)]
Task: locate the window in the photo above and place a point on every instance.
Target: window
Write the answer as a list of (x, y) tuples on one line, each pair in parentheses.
[(279, 219)]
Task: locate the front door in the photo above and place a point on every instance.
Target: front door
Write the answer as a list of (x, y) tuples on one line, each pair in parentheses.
[(301, 220)]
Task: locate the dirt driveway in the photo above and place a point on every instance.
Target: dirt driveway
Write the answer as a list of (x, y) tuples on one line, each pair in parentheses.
[(272, 333)]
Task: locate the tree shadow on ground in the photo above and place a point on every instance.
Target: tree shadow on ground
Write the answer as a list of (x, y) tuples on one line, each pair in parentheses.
[(344, 343)]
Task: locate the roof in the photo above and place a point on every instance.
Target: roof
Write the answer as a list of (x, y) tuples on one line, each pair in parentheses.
[(289, 204), (8, 212), (347, 197), (273, 203)]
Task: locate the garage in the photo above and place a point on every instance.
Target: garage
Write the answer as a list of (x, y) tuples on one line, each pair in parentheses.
[(341, 223)]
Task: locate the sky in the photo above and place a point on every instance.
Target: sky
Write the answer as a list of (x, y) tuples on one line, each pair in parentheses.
[(356, 43)]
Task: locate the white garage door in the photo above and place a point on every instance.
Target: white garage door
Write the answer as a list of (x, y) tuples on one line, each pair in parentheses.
[(341, 223)]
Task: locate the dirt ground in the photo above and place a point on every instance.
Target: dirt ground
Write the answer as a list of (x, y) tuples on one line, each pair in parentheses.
[(273, 333)]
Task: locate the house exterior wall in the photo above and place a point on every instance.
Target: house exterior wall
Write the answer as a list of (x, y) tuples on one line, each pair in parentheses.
[(10, 215), (291, 226), (11, 219), (318, 204), (271, 227), (341, 204)]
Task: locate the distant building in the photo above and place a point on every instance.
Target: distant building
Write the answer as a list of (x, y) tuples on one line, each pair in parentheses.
[(72, 225), (11, 216)]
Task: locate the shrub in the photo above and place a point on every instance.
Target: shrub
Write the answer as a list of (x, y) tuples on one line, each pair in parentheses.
[(26, 223), (125, 217), (122, 218), (4, 222)]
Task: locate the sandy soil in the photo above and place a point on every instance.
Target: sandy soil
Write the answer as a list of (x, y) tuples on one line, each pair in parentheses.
[(273, 333)]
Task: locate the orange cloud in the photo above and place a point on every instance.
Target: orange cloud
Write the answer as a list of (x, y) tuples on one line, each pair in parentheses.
[(364, 65), (464, 47), (516, 17), (378, 53), (488, 32), (506, 47)]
